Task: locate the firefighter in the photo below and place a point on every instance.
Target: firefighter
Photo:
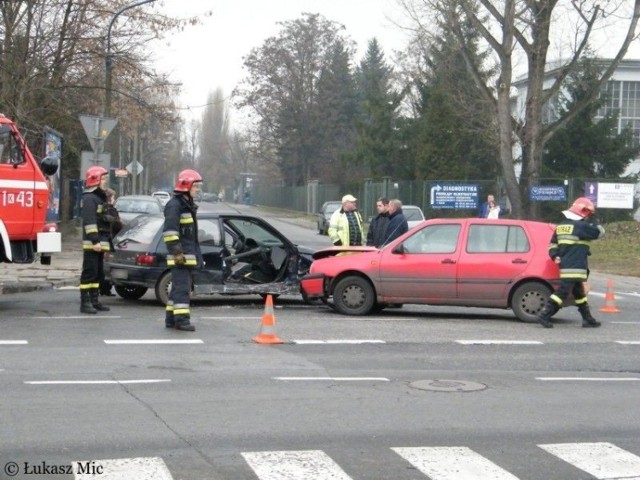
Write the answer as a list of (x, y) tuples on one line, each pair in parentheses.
[(96, 232), (180, 233), (569, 248)]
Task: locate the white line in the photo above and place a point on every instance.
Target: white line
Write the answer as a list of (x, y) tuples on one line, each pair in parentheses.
[(602, 460), (13, 342), (256, 317), (624, 342), (452, 463), (287, 465), (122, 469), (336, 342), (588, 379), (96, 382), (499, 342), (626, 323), (336, 379), (153, 342), (77, 317)]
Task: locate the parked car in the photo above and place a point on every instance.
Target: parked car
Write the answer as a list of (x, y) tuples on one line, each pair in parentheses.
[(325, 215), (414, 215), (459, 262), (242, 254), (208, 197), (163, 196), (131, 206)]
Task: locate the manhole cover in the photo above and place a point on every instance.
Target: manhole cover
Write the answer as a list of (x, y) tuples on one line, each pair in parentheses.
[(448, 385)]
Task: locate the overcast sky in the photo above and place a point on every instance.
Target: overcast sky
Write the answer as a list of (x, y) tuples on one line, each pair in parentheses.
[(208, 56)]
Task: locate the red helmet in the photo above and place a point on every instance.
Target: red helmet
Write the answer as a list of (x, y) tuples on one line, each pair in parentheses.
[(93, 176), (186, 179), (582, 206)]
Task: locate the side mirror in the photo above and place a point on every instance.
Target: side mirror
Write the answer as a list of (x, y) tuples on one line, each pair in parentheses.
[(49, 165), (398, 249)]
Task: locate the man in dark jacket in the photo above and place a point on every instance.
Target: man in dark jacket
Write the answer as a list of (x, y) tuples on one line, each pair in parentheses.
[(180, 234), (95, 238), (569, 248), (397, 221), (378, 226)]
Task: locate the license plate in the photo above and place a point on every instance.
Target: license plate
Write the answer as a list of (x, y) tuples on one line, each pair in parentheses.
[(119, 273)]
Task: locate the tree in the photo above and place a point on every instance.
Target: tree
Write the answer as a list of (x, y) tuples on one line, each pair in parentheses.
[(282, 89), (515, 27), (214, 159)]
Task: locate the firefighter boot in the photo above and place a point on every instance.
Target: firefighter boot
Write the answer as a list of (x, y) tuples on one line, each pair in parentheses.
[(183, 322), (169, 321), (94, 292), (587, 320), (549, 310), (85, 302)]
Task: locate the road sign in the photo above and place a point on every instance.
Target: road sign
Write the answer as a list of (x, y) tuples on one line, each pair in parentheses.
[(88, 159), (97, 129), (542, 193), (121, 172), (459, 196), (138, 167), (610, 195)]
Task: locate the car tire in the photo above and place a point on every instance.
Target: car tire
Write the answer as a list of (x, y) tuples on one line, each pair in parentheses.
[(528, 300), (130, 293), (354, 296), (163, 287)]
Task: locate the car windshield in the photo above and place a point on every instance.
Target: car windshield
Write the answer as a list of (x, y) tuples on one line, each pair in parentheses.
[(412, 214), (332, 207)]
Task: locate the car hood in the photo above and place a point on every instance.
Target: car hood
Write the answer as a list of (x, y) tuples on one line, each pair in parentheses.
[(333, 251)]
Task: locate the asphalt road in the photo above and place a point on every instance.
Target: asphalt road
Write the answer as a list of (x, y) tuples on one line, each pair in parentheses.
[(412, 393)]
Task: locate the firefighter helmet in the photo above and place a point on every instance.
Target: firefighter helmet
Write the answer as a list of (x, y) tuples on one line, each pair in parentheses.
[(583, 207), (93, 176), (186, 179)]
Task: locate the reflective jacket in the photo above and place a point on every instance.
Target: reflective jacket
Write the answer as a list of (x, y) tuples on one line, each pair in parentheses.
[(570, 242), (339, 227), (95, 225), (180, 232)]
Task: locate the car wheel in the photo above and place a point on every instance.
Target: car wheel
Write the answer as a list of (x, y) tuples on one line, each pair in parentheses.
[(354, 296), (163, 287), (528, 301), (130, 293)]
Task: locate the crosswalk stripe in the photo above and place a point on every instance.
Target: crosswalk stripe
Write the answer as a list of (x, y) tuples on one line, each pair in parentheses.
[(453, 463), (287, 465), (602, 460), (122, 469)]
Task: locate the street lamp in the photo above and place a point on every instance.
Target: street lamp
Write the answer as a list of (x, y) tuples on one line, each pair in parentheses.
[(108, 58)]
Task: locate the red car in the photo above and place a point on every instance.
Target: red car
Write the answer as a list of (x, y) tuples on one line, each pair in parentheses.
[(469, 262)]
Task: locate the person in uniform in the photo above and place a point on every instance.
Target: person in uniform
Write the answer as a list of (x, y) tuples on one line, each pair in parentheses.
[(345, 224), (569, 248), (180, 234), (96, 233)]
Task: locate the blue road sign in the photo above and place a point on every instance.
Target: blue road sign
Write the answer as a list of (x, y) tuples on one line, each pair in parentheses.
[(458, 196), (547, 193)]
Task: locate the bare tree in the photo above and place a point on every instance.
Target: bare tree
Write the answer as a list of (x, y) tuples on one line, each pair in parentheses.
[(515, 29), (214, 158)]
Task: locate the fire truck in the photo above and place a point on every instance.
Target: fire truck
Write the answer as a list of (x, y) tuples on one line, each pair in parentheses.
[(25, 234)]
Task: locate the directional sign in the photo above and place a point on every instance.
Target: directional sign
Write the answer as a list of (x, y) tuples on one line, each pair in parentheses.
[(134, 165), (541, 193), (610, 195), (459, 196), (97, 129), (88, 159)]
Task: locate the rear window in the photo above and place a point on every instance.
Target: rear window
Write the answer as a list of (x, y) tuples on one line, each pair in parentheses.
[(412, 214), (140, 234), (138, 206), (497, 239)]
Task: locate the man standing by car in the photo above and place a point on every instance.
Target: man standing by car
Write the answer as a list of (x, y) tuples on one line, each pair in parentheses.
[(378, 226), (180, 234), (397, 221), (569, 248), (95, 238), (345, 225)]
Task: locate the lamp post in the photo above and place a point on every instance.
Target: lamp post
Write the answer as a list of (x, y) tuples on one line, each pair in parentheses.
[(109, 59)]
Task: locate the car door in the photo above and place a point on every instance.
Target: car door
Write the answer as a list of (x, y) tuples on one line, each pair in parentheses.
[(494, 257), (211, 246), (423, 266)]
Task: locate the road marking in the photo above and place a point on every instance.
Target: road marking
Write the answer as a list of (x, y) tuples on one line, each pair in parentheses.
[(626, 323), (96, 382), (499, 342), (336, 342), (602, 460), (336, 379), (285, 465), (624, 342), (75, 317), (453, 463), (13, 342), (122, 468), (588, 379), (153, 342), (256, 317)]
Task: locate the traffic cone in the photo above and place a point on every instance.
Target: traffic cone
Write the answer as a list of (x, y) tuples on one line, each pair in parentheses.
[(609, 300), (268, 330)]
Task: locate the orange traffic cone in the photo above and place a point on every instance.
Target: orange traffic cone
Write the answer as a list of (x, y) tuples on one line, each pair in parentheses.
[(609, 300), (268, 331)]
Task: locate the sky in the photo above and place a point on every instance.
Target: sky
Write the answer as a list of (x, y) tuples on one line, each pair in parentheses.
[(207, 56)]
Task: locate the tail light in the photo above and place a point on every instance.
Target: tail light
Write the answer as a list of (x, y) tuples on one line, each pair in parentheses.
[(50, 227), (145, 260)]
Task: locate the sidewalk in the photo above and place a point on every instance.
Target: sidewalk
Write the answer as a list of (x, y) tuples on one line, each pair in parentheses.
[(64, 270)]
